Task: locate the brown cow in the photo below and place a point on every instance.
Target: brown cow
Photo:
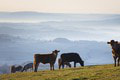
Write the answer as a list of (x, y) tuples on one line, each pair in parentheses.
[(115, 50), (45, 58), (65, 63)]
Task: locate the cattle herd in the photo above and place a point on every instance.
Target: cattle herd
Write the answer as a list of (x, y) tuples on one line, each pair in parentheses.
[(65, 59)]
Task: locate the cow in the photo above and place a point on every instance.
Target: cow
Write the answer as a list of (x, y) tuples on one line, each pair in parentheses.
[(69, 57), (16, 68), (45, 58), (65, 63), (115, 51), (27, 66)]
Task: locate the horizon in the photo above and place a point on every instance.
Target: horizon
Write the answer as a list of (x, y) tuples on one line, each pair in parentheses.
[(59, 13)]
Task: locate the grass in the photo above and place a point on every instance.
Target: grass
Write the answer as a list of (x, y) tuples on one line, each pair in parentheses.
[(98, 72)]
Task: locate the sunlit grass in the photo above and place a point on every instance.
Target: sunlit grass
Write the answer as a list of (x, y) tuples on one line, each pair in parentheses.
[(101, 72)]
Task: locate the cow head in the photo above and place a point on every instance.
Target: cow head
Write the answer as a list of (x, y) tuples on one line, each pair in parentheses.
[(112, 42), (82, 63), (13, 69), (56, 52)]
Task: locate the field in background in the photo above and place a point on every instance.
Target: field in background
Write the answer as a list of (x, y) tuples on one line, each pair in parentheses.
[(98, 72)]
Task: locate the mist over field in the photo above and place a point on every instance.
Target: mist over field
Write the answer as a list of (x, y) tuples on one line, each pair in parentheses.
[(22, 34)]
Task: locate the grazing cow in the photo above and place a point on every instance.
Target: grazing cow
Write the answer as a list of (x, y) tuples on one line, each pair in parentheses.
[(45, 58), (115, 50), (16, 68), (69, 57), (65, 63), (27, 66)]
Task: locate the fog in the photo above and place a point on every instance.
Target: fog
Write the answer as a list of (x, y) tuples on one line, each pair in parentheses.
[(48, 26), (22, 34)]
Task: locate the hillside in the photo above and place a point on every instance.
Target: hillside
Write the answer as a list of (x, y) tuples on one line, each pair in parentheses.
[(98, 72)]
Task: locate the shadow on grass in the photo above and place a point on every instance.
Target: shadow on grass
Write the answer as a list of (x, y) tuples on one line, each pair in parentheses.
[(81, 78)]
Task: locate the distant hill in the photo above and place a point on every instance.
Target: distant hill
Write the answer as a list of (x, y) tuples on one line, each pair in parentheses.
[(61, 40), (5, 38), (92, 52), (57, 16)]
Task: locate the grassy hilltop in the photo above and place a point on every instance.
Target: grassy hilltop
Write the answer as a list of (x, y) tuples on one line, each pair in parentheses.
[(98, 72)]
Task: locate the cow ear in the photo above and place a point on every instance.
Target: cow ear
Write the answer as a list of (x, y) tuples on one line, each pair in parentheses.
[(56, 51), (112, 41), (116, 42)]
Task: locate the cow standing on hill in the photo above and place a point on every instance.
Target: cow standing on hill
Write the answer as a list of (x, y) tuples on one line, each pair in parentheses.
[(69, 57), (27, 66), (45, 58), (16, 68), (115, 51), (65, 63)]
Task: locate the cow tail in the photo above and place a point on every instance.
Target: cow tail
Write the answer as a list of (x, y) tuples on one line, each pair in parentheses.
[(34, 63)]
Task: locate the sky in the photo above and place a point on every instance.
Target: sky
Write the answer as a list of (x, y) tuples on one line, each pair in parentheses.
[(91, 31), (62, 6)]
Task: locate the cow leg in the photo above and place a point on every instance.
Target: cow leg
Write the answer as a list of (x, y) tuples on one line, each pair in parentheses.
[(59, 66), (62, 66), (114, 60), (36, 67), (35, 70), (70, 66), (22, 69), (50, 66), (53, 66), (62, 63), (25, 70), (118, 61), (74, 64)]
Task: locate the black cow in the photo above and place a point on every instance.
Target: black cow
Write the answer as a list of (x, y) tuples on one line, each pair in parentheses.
[(27, 66), (65, 63), (69, 57), (16, 68)]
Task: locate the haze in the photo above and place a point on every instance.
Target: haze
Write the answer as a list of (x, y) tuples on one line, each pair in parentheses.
[(62, 6)]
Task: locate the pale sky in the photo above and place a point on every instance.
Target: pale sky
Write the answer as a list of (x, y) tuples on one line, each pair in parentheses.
[(62, 6)]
